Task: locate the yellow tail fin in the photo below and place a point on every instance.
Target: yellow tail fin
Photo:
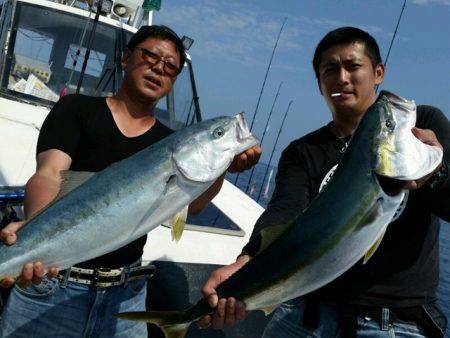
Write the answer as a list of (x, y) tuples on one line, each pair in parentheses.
[(174, 324)]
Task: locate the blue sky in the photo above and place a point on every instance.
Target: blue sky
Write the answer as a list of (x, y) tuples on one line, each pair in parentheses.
[(234, 41)]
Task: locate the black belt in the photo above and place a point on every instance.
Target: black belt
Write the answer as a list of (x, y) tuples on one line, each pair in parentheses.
[(105, 277), (384, 316), (387, 316), (428, 316)]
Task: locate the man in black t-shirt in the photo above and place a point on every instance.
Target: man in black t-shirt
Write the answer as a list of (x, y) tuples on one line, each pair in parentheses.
[(395, 292), (84, 133)]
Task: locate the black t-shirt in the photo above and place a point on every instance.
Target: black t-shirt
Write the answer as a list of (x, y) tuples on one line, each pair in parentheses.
[(83, 127), (404, 271)]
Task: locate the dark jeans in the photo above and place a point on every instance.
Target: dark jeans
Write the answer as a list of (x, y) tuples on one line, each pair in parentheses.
[(63, 310), (287, 323)]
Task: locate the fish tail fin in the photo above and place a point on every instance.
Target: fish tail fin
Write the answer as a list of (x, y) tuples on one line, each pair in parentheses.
[(174, 324), (175, 331)]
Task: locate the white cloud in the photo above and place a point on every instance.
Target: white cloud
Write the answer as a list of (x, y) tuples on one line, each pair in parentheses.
[(241, 32), (235, 33)]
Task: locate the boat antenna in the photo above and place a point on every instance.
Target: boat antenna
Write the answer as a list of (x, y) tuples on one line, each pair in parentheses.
[(393, 36), (273, 149), (264, 133), (264, 82), (88, 49)]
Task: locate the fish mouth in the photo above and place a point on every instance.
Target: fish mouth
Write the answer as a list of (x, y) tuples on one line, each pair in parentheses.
[(242, 126), (244, 135), (399, 102), (390, 186), (401, 155)]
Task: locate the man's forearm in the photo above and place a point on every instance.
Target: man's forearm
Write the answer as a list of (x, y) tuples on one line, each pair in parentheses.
[(200, 203), (39, 192), (243, 259)]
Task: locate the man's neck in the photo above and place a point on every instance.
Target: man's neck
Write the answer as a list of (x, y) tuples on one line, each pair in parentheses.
[(343, 126), (134, 107), (133, 118), (345, 122)]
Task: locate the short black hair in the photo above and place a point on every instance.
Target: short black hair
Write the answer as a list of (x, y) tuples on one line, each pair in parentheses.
[(159, 32), (347, 35)]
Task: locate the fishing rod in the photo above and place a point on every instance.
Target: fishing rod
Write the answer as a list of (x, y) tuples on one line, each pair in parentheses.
[(264, 83), (115, 71), (264, 134), (65, 89), (393, 38), (262, 138), (273, 149), (267, 73), (88, 49)]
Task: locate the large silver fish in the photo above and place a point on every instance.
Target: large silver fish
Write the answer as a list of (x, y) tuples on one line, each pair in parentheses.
[(342, 224), (111, 208)]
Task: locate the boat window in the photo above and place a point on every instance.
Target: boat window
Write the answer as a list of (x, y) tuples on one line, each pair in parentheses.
[(211, 219), (46, 53), (95, 64)]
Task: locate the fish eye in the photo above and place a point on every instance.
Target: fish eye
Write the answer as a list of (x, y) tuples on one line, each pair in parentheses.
[(390, 124), (218, 132)]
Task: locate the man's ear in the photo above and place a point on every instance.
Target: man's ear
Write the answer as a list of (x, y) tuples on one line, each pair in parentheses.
[(379, 73)]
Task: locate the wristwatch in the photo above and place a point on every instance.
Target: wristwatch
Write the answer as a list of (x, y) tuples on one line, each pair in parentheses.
[(439, 177)]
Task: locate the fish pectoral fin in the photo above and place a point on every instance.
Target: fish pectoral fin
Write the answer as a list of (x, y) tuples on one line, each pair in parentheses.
[(71, 180), (174, 324), (270, 234), (178, 222), (371, 216), (373, 248), (269, 309)]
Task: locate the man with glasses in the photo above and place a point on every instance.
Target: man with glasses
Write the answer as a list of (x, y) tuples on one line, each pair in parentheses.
[(85, 133)]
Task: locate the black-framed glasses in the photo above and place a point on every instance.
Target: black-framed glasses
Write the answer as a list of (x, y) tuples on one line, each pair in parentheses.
[(152, 58)]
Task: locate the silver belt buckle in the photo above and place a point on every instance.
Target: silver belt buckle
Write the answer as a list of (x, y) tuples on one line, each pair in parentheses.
[(78, 271), (96, 274), (106, 272)]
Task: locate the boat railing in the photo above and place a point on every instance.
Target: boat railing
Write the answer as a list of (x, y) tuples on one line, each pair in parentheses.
[(10, 196)]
